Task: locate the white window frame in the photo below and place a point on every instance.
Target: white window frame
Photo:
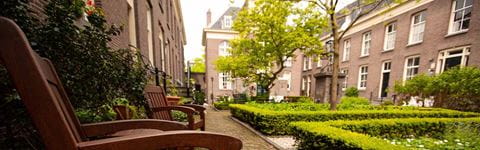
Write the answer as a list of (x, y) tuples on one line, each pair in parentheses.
[(384, 69), (366, 43), (224, 81), (288, 62), (223, 49), (451, 27), (307, 63), (151, 56), (346, 50), (227, 21), (309, 84), (360, 80), (162, 50), (443, 55), (390, 37), (319, 62), (132, 31), (345, 81), (407, 76), (417, 30)]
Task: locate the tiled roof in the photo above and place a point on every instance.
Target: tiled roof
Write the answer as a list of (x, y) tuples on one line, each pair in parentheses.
[(232, 11)]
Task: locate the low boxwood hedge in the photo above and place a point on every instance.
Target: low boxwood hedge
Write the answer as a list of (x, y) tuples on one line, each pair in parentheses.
[(275, 122), (366, 134)]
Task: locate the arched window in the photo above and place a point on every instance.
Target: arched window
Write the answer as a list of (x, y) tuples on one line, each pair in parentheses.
[(223, 49)]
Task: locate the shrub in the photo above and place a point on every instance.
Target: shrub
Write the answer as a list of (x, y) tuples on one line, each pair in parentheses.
[(222, 105), (350, 102), (365, 134), (387, 102), (456, 88), (274, 122), (351, 92)]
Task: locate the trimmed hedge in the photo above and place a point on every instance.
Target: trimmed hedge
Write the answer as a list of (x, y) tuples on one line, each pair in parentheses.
[(275, 122), (364, 134), (223, 105)]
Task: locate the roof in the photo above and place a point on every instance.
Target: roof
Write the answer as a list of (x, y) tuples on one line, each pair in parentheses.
[(232, 11)]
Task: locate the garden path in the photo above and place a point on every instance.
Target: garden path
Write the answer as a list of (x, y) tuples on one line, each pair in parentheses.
[(220, 122)]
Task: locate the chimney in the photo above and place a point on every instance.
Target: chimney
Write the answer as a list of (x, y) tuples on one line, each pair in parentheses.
[(209, 17)]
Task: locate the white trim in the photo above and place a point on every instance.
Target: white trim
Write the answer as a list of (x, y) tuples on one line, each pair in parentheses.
[(366, 39), (442, 55), (390, 36), (385, 13), (418, 27), (406, 67), (347, 47), (151, 54), (221, 36), (227, 22), (360, 73), (384, 70), (223, 49), (345, 81), (451, 29), (132, 31), (224, 81)]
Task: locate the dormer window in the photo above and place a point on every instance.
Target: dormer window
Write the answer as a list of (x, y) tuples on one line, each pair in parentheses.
[(227, 22)]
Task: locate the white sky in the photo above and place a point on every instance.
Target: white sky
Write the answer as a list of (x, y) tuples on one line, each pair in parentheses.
[(194, 18)]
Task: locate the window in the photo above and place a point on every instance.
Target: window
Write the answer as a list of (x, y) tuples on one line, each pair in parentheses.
[(151, 56), (287, 76), (346, 50), (288, 62), (417, 28), (307, 63), (225, 82), (223, 49), (452, 58), (319, 61), (460, 17), (366, 42), (162, 49), (306, 83), (345, 81), (362, 77), (132, 32), (411, 67), (309, 85), (390, 33), (227, 22)]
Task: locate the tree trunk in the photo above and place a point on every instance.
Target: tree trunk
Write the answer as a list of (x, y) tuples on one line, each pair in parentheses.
[(336, 62)]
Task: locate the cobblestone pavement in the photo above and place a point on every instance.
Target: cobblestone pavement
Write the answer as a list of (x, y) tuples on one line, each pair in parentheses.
[(220, 122)]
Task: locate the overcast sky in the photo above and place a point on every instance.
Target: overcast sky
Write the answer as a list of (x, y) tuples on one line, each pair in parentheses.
[(194, 17)]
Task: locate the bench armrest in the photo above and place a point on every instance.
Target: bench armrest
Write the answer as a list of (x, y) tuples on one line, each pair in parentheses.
[(170, 139), (109, 127)]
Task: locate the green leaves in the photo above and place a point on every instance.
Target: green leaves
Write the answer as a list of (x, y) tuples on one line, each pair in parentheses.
[(269, 33), (456, 88), (365, 134)]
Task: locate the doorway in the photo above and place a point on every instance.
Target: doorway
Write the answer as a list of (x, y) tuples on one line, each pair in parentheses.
[(385, 79)]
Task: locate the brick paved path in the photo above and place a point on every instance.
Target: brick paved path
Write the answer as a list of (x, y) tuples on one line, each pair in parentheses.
[(220, 122)]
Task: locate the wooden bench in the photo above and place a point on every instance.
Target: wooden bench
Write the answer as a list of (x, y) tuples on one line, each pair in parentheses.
[(48, 105)]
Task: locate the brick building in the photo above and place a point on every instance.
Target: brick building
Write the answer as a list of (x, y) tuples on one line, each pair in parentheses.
[(215, 39), (153, 26), (404, 40)]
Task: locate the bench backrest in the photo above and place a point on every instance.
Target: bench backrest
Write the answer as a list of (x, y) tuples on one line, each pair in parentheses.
[(156, 98), (40, 89)]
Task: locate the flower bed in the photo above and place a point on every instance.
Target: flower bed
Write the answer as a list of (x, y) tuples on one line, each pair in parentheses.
[(272, 122), (410, 133)]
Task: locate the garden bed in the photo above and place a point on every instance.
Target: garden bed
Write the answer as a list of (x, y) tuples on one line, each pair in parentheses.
[(409, 133), (271, 122)]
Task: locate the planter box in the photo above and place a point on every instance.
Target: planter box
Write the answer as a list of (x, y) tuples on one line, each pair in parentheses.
[(173, 100)]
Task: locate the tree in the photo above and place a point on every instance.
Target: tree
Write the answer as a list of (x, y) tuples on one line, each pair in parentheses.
[(198, 64), (268, 35), (356, 11)]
